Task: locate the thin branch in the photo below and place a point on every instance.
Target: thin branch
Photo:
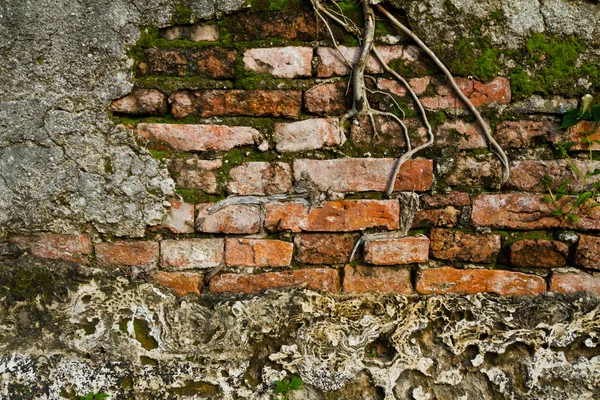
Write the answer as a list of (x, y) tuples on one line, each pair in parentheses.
[(495, 146)]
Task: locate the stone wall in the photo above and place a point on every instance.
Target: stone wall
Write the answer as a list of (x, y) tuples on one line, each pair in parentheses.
[(186, 213)]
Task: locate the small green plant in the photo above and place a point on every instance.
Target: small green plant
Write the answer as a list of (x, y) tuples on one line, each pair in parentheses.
[(284, 387), (589, 111), (94, 396)]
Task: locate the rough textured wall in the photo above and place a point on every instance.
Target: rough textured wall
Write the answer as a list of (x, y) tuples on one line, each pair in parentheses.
[(165, 165)]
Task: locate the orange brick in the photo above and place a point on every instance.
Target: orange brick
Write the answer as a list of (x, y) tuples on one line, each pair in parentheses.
[(313, 278), (363, 279), (407, 250), (334, 216), (579, 282), (470, 281), (72, 248), (182, 283), (127, 253), (324, 248), (258, 253), (448, 244)]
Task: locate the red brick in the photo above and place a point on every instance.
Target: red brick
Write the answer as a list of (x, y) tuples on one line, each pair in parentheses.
[(327, 99), (141, 102), (234, 219), (330, 62), (292, 24), (528, 175), (529, 211), (236, 103), (179, 218), (390, 135), (197, 137), (206, 62), (572, 283), (362, 279), (585, 130), (260, 178), (192, 253), (314, 279), (524, 134), (587, 254), (71, 248), (465, 135), (281, 62), (132, 254), (442, 217), (456, 199), (258, 253), (195, 33), (480, 170), (334, 216), (192, 173), (323, 248), (471, 281), (309, 134), (364, 174), (182, 283), (419, 85), (448, 244), (494, 92), (406, 250), (538, 253)]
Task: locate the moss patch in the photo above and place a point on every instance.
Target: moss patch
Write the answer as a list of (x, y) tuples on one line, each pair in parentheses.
[(476, 57), (142, 334)]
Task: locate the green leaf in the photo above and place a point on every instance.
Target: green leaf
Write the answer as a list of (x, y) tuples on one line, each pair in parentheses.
[(101, 396), (296, 383), (89, 396), (575, 169), (557, 213), (570, 118), (583, 197), (596, 112), (573, 217), (281, 387), (546, 198), (586, 103), (546, 180)]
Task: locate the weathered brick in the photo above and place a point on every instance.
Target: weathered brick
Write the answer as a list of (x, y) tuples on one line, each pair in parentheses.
[(71, 248), (470, 281), (524, 134), (206, 62), (442, 217), (313, 278), (194, 33), (237, 103), (197, 137), (480, 170), (538, 253), (141, 102), (192, 173), (455, 199), (309, 134), (390, 135), (406, 250), (587, 254), (281, 62), (132, 254), (327, 99), (191, 253), (179, 218), (291, 24), (529, 175), (323, 248), (364, 174), (465, 135), (258, 253), (260, 178), (572, 283), (333, 216), (234, 219), (588, 130), (361, 279), (419, 85), (494, 92), (529, 211), (182, 283), (330, 62), (448, 244)]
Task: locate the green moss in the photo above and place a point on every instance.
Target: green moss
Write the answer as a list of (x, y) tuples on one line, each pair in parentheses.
[(249, 80), (476, 57), (108, 168), (148, 361), (182, 16), (521, 84), (497, 14), (437, 118), (274, 5), (127, 383), (142, 334), (90, 327), (448, 6), (170, 84)]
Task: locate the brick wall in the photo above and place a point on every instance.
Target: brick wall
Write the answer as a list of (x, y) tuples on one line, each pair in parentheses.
[(245, 113)]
